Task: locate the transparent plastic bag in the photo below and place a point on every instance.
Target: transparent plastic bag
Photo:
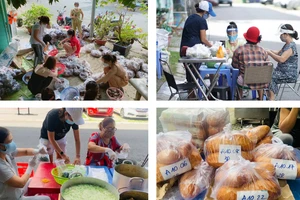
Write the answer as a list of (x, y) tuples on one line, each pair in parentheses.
[(132, 65), (9, 53), (141, 74), (242, 179), (8, 84), (96, 53), (175, 154), (194, 182), (256, 134), (60, 86), (282, 156), (227, 145), (198, 51), (202, 122)]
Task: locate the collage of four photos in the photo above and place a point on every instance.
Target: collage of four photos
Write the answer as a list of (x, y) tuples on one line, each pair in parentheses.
[(94, 136)]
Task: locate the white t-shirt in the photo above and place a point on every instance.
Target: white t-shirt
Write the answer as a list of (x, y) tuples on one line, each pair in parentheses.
[(8, 169), (40, 35)]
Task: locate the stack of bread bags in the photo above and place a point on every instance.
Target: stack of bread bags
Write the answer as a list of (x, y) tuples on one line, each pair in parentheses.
[(242, 179), (227, 145), (176, 155), (201, 123)]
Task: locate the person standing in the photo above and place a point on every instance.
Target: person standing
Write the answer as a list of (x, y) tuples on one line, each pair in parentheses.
[(76, 14), (55, 128), (36, 39), (287, 58)]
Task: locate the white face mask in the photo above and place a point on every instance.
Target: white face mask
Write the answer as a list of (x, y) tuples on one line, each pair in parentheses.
[(105, 64)]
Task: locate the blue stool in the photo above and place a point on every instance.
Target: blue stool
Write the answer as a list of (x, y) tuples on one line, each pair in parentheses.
[(226, 72), (158, 65)]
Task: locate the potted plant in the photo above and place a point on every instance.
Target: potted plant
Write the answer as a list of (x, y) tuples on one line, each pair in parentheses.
[(19, 22), (102, 27), (31, 16)]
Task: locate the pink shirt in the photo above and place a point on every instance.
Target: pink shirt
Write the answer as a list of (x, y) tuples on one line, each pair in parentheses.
[(75, 42)]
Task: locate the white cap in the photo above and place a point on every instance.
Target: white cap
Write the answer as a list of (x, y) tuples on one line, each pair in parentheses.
[(207, 6), (76, 114)]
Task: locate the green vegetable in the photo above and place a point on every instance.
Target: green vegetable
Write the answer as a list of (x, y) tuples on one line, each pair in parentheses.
[(86, 191), (65, 175)]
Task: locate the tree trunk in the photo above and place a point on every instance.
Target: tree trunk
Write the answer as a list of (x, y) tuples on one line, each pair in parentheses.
[(190, 6)]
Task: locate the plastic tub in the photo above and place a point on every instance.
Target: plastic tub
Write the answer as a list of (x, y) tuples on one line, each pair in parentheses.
[(120, 97), (22, 169)]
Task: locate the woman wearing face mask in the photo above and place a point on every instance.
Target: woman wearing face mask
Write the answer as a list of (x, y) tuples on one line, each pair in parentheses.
[(12, 186), (36, 39), (102, 145), (76, 19), (114, 73), (55, 128), (287, 58), (233, 42), (42, 76), (71, 44)]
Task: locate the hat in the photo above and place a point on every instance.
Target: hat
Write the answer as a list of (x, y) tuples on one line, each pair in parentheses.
[(284, 29), (252, 34), (207, 6), (76, 114)]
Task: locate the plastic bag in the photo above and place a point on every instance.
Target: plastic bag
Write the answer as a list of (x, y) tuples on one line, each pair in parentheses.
[(227, 145), (76, 71), (242, 179), (64, 83), (88, 48), (83, 76), (130, 73), (68, 72), (198, 51), (132, 65), (215, 47), (8, 84), (141, 74), (175, 154), (282, 156), (194, 182), (104, 50), (202, 122), (139, 61), (9, 53), (96, 53), (259, 135), (145, 67)]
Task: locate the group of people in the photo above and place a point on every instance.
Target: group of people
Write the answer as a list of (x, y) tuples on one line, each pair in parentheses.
[(102, 148), (243, 52), (45, 70)]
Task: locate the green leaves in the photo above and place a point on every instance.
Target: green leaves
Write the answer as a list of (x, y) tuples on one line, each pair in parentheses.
[(31, 16), (18, 3)]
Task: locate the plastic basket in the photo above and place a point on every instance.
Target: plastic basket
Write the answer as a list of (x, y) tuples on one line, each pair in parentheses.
[(22, 169), (115, 98), (58, 179), (53, 52), (24, 77), (69, 94)]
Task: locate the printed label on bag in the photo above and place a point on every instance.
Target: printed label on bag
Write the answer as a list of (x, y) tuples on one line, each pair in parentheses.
[(253, 195), (285, 169), (175, 169), (229, 152)]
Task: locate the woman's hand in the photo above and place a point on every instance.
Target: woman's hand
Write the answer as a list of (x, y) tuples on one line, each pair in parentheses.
[(77, 161), (66, 158)]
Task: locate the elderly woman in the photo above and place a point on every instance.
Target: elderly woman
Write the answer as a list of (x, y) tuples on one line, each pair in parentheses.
[(114, 73), (287, 58), (249, 52), (12, 186), (102, 145)]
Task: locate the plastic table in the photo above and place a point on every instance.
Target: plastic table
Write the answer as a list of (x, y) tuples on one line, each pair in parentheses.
[(141, 86), (192, 61), (36, 185), (107, 171)]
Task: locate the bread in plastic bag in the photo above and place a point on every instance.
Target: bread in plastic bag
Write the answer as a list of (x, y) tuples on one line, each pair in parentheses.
[(236, 177), (201, 122), (198, 51), (256, 134), (227, 145), (64, 83), (96, 53), (175, 151), (194, 182), (282, 156)]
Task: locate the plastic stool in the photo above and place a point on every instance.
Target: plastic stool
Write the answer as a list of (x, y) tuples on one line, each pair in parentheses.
[(222, 90), (203, 72)]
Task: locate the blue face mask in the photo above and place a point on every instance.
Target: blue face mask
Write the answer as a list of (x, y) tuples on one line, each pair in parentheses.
[(69, 122), (205, 16), (9, 148), (232, 38)]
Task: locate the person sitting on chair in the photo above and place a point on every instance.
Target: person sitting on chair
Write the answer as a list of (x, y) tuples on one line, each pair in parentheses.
[(287, 126), (233, 41), (287, 58), (249, 52)]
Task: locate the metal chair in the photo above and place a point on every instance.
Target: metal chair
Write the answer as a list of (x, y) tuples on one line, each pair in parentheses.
[(183, 88), (289, 85), (256, 73)]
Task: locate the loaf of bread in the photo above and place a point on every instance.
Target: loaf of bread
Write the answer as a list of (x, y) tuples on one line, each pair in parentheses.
[(265, 140), (213, 143), (213, 158), (258, 133)]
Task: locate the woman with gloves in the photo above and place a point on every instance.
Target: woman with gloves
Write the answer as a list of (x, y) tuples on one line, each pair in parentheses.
[(56, 125), (12, 186), (103, 145)]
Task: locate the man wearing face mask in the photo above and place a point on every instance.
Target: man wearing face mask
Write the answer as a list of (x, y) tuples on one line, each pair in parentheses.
[(233, 42), (55, 127), (12, 186), (287, 58), (102, 145), (36, 39)]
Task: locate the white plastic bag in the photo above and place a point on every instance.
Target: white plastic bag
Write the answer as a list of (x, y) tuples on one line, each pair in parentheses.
[(198, 51)]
